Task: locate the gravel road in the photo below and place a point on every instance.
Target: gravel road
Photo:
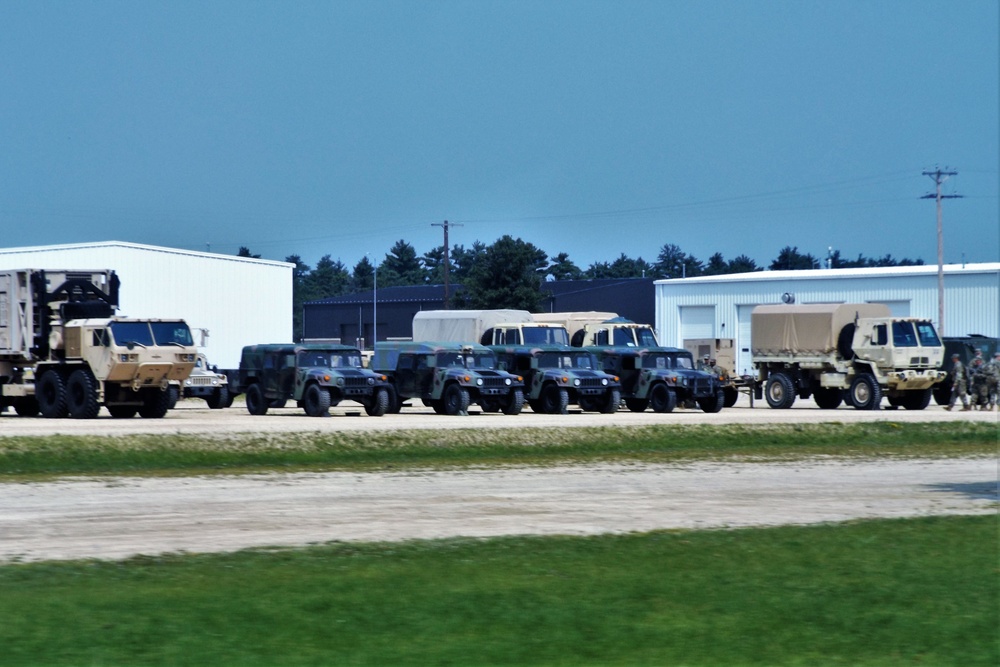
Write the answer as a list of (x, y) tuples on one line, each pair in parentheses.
[(122, 516)]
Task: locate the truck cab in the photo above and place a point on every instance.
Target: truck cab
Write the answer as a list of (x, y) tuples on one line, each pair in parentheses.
[(521, 333), (556, 376)]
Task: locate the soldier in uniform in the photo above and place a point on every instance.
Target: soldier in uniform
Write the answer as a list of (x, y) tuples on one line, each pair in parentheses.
[(995, 386), (980, 380), (959, 384), (703, 364), (717, 371)]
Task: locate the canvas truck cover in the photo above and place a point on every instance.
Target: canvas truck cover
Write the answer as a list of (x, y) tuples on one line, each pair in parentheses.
[(810, 329), (574, 321), (462, 326)]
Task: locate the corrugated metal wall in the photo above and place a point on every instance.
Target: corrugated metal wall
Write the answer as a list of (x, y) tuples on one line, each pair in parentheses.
[(239, 300), (972, 297)]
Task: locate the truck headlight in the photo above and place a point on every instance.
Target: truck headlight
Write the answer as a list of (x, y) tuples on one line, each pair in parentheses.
[(479, 381), (506, 381), (371, 382), (340, 382), (604, 381), (576, 382)]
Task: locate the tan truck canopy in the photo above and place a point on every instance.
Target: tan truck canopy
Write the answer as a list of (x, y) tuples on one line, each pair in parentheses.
[(462, 326), (574, 321), (805, 329)]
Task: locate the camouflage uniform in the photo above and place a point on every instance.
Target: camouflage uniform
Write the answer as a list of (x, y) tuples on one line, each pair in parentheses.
[(959, 384), (981, 378), (994, 371)]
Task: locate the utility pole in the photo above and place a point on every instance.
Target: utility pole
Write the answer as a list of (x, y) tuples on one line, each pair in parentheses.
[(447, 267), (940, 177)]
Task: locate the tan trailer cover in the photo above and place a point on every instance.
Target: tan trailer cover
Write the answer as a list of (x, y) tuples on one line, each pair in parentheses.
[(461, 326), (810, 329), (574, 321)]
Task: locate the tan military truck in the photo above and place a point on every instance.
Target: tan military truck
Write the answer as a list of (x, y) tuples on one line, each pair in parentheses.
[(856, 353), (589, 328), (486, 327), (64, 353)]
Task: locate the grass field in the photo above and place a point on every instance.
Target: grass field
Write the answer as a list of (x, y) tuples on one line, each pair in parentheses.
[(879, 593), (33, 457)]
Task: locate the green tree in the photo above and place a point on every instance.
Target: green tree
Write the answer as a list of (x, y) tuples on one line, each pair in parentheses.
[(742, 264), (433, 263), (717, 265), (509, 275), (401, 266), (790, 259), (328, 279), (245, 252), (672, 262), (562, 268), (363, 276), (462, 260), (299, 276)]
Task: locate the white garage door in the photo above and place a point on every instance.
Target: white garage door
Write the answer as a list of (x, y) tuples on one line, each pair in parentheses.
[(744, 364), (697, 322)]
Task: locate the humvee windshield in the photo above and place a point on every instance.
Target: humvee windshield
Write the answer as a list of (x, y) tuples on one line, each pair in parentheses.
[(545, 336), (319, 359), (657, 361), (568, 360), (480, 361)]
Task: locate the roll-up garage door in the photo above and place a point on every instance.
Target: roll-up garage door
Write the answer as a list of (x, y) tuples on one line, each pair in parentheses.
[(697, 322), (744, 361)]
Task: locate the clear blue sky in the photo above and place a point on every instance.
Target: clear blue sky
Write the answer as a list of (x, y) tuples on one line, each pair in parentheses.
[(591, 128)]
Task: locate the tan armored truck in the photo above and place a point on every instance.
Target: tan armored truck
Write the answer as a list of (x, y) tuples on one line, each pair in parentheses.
[(856, 353), (64, 353), (486, 327), (590, 328)]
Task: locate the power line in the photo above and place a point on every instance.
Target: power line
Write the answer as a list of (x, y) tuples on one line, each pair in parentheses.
[(940, 177)]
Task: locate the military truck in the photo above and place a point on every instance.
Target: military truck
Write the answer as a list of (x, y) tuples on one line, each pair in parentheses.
[(661, 378), (722, 350), (556, 376), (486, 327), (965, 347), (206, 382), (316, 376), (64, 352), (597, 328), (447, 377), (837, 352)]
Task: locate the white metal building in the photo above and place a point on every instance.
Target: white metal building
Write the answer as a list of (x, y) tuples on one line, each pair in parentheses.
[(227, 301), (720, 306)]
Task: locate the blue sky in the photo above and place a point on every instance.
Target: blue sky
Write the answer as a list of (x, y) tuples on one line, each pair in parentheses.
[(591, 128)]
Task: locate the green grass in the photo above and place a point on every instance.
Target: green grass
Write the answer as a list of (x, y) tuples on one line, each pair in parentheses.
[(877, 593), (30, 457)]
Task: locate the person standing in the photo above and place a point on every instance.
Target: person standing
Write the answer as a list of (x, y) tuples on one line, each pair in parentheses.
[(980, 380), (993, 367), (959, 384)]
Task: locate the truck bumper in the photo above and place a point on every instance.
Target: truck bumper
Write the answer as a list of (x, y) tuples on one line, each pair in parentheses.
[(913, 379)]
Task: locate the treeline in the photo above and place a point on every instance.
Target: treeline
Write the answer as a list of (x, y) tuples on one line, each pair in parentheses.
[(510, 272)]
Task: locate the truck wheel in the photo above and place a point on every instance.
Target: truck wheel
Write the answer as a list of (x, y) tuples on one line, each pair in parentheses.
[(779, 391), (256, 403), (588, 404), (828, 398), (942, 393), (81, 395), (395, 401), (122, 411), (379, 403), (26, 407), (173, 395), (636, 404), (553, 400), (712, 404), (611, 401), (917, 400), (865, 392), (662, 399), (455, 400), (515, 403), (316, 401), (732, 395), (219, 398), (490, 405), (155, 404), (50, 392)]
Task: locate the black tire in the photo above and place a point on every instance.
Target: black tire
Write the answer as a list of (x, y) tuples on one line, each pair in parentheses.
[(588, 404), (256, 403), (219, 398), (636, 404), (379, 403), (155, 404), (123, 411), (612, 400), (732, 395), (845, 342), (662, 398), (26, 406), (554, 400), (277, 403), (828, 398), (50, 392), (229, 399), (865, 393), (174, 395), (490, 405), (455, 400), (316, 401), (395, 402), (81, 395), (515, 402), (942, 392), (779, 391), (917, 399), (712, 404)]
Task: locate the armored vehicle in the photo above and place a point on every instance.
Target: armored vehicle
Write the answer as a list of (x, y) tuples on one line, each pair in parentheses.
[(206, 382), (316, 376), (661, 378), (447, 377), (64, 352), (587, 329), (836, 352), (965, 347), (558, 375)]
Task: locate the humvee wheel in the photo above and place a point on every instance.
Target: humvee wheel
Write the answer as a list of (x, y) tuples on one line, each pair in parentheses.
[(611, 401), (50, 391), (316, 401), (455, 400), (219, 398), (81, 395), (515, 403), (554, 400), (662, 399), (712, 404), (378, 405), (732, 395), (256, 403), (490, 404), (637, 404)]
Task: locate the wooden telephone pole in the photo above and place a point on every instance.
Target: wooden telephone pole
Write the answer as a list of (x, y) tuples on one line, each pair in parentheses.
[(447, 266), (940, 177)]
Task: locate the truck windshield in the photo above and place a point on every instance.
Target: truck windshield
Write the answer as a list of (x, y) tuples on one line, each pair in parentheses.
[(902, 334), (172, 333), (646, 337), (132, 333), (480, 361), (450, 360), (545, 336), (928, 336), (567, 360), (683, 362), (657, 361), (622, 336)]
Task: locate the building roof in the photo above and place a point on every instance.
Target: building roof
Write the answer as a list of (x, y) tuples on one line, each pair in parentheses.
[(823, 274), (29, 250)]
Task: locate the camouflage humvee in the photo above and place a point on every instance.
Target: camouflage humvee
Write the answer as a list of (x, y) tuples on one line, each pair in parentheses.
[(661, 378), (315, 376), (557, 375), (447, 377)]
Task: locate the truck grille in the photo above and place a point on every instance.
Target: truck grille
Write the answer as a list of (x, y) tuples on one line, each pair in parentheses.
[(356, 381), (494, 382), (920, 362), (200, 381), (591, 383)]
